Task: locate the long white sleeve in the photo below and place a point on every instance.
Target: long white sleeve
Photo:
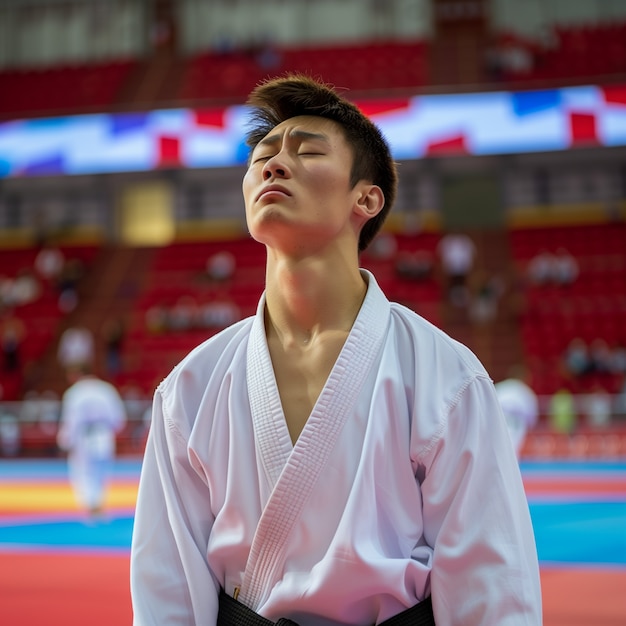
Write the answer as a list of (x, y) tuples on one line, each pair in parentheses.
[(170, 580), (485, 570)]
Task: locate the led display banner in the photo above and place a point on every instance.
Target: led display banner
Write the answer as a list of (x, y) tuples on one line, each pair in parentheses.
[(429, 125)]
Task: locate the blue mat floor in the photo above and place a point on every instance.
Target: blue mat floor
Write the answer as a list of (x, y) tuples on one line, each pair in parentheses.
[(568, 530)]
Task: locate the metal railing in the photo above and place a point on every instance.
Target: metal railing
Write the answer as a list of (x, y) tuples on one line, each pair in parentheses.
[(597, 428)]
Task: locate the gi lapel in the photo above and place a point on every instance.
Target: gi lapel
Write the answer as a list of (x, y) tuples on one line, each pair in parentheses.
[(294, 473)]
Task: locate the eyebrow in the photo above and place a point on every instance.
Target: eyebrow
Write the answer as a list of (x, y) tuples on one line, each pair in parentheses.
[(297, 134)]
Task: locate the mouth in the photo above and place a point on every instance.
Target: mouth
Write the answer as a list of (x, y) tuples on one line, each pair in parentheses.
[(272, 189)]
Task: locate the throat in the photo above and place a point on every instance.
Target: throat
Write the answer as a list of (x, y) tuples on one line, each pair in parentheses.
[(301, 372)]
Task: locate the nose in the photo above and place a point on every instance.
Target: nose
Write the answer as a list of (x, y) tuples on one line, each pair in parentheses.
[(275, 167)]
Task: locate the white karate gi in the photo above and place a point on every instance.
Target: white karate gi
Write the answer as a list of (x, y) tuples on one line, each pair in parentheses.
[(402, 483), (520, 406), (92, 412)]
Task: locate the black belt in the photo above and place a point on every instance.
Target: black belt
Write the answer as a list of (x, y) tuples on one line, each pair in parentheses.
[(234, 613)]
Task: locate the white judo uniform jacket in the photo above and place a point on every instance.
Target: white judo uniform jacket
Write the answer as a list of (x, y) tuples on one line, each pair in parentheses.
[(403, 483)]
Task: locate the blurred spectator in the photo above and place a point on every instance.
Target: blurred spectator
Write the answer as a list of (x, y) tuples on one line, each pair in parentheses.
[(136, 405), (49, 263), (520, 406), (76, 347), (184, 314), (156, 318), (219, 313), (564, 268), (597, 405), (26, 287), (514, 292), (49, 411), (507, 57), (493, 61), (515, 58), (485, 298), (618, 358), (457, 253), (620, 400), (30, 408), (113, 333), (267, 54), (384, 247), (562, 412), (600, 357), (12, 335), (19, 290), (67, 285), (10, 435), (540, 268), (6, 285), (134, 401), (416, 265), (560, 268), (221, 266), (576, 359)]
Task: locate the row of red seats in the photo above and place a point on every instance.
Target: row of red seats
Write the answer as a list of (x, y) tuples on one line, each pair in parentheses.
[(375, 66), (598, 50), (587, 240), (64, 89)]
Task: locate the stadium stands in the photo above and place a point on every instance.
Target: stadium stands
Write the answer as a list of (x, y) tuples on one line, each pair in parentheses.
[(81, 88), (366, 68), (572, 52), (592, 307), (41, 316)]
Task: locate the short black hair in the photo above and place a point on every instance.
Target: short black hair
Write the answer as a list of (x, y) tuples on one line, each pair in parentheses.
[(278, 99)]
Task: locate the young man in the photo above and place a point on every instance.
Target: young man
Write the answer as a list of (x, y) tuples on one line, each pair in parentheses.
[(334, 459)]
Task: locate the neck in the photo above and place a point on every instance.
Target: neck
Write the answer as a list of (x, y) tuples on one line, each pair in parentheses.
[(304, 299)]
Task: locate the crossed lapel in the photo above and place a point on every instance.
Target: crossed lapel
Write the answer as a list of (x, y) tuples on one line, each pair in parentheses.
[(293, 471)]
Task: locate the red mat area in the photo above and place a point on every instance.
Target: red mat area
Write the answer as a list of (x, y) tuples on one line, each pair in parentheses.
[(64, 590), (583, 597)]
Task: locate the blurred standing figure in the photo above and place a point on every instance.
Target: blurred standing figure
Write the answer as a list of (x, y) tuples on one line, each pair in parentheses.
[(520, 407), (92, 412)]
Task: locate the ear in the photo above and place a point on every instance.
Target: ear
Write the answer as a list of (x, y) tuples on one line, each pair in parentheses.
[(370, 201)]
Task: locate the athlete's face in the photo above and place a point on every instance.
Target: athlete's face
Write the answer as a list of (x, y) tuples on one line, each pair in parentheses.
[(297, 188)]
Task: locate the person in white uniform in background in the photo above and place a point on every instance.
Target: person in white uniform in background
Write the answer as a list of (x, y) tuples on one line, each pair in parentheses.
[(520, 406), (334, 459), (92, 413)]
